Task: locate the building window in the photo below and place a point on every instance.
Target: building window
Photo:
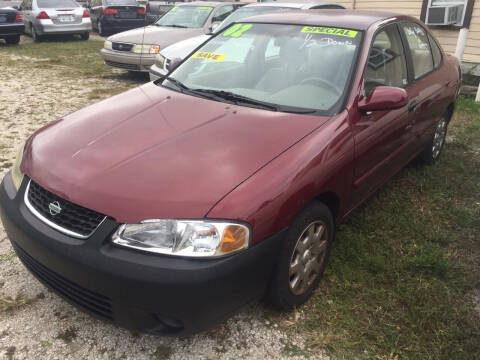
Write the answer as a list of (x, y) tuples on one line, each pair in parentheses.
[(456, 13)]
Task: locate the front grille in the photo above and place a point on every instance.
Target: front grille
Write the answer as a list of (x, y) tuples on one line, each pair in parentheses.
[(72, 219), (133, 67), (90, 301), (122, 46)]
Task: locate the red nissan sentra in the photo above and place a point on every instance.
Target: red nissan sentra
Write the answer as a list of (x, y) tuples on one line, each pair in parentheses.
[(167, 208)]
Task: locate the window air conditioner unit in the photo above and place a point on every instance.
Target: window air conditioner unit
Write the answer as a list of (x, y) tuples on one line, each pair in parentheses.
[(444, 15)]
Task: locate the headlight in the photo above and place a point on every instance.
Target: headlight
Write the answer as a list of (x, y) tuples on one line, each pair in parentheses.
[(17, 175), (195, 238), (107, 45), (159, 60), (146, 49)]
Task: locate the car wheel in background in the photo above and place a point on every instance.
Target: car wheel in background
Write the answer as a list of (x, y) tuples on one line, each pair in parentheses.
[(434, 147), (12, 40), (101, 32), (35, 35), (85, 36), (303, 257)]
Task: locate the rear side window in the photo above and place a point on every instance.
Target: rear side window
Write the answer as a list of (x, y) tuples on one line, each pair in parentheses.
[(437, 54), (419, 48), (386, 61)]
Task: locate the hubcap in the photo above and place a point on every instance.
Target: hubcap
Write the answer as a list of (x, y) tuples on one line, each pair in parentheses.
[(308, 257), (439, 138)]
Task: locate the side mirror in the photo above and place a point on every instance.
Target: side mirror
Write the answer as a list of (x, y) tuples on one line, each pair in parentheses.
[(214, 26), (384, 98), (174, 64)]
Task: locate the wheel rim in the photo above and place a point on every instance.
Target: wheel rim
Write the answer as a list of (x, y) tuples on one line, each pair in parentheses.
[(439, 138), (308, 257)]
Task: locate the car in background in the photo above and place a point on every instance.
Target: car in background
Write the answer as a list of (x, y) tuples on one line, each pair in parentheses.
[(171, 206), (181, 49), (156, 9), (135, 50), (114, 16), (54, 17), (11, 23)]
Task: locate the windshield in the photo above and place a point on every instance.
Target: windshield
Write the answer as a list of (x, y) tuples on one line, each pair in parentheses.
[(293, 67), (248, 11), (122, 2), (186, 16), (55, 4)]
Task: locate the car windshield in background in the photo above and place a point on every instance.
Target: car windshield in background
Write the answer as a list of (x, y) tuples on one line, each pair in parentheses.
[(282, 67), (122, 3), (56, 4), (249, 11), (186, 16), (4, 4)]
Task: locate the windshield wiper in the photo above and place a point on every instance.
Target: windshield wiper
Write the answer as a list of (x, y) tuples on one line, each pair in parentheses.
[(177, 83), (176, 26), (235, 98)]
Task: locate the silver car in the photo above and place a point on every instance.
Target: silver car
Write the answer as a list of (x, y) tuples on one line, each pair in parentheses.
[(48, 17), (181, 49), (135, 50)]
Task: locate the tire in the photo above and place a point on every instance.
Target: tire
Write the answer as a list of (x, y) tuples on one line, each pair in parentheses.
[(12, 40), (85, 36), (101, 31), (35, 36), (434, 147), (303, 257)]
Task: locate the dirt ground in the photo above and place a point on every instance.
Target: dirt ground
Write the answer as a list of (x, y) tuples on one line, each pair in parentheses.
[(36, 323)]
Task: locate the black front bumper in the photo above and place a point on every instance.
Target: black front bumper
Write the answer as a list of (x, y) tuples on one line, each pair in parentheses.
[(140, 291)]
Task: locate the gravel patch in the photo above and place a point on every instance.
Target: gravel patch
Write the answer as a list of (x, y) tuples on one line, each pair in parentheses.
[(35, 323)]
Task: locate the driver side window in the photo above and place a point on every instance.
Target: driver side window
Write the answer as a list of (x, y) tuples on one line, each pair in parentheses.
[(222, 13), (386, 62)]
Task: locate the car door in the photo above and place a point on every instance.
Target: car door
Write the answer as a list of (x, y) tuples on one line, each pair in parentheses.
[(381, 137), (427, 89)]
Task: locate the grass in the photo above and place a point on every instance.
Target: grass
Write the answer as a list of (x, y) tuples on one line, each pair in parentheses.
[(68, 56), (403, 271)]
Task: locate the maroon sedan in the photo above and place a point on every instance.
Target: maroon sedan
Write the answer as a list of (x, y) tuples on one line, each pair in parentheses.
[(169, 207)]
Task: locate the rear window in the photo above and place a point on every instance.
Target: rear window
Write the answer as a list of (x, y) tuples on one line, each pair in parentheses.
[(186, 16), (121, 2), (55, 4)]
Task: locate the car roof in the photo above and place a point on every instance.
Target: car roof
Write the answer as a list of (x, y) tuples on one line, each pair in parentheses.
[(350, 19), (293, 5), (206, 3)]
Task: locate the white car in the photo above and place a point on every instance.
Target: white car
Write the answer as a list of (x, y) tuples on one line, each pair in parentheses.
[(180, 50)]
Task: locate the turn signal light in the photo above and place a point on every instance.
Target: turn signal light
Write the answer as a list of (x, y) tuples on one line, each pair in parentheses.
[(141, 11), (43, 15), (86, 14), (110, 11), (234, 238), (18, 17)]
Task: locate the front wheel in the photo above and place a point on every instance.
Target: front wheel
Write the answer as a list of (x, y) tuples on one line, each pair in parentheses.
[(303, 257), (35, 36), (435, 146)]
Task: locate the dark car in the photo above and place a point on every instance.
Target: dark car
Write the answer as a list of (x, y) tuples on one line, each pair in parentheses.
[(169, 207), (113, 16), (11, 22), (156, 9)]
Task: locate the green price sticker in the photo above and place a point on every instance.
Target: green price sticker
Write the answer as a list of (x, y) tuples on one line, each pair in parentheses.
[(237, 30), (329, 31), (204, 7)]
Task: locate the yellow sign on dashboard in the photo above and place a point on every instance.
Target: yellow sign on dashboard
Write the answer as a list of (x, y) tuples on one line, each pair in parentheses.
[(207, 55), (329, 31)]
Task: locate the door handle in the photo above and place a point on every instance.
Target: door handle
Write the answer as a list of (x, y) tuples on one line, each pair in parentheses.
[(408, 127), (412, 107)]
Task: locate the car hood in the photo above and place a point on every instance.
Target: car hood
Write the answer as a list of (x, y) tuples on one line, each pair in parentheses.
[(157, 35), (155, 153), (182, 48)]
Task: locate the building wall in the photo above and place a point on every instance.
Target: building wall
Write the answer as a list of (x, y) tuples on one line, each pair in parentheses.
[(446, 37)]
